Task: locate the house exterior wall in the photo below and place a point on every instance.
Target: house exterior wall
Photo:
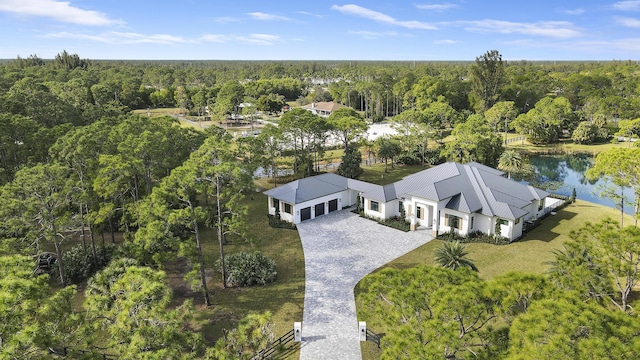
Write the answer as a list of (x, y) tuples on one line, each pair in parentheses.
[(380, 214), (516, 231), (428, 213), (349, 197), (532, 208), (512, 230), (445, 226), (391, 209), (325, 199), (483, 223), (438, 216), (283, 215)]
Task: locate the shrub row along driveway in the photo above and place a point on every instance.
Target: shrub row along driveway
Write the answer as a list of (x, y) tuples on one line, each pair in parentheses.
[(340, 249)]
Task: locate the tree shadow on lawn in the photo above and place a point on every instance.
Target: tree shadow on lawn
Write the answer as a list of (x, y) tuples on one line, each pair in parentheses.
[(545, 230)]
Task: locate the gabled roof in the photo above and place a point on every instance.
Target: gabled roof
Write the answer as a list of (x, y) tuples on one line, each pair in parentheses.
[(459, 203)]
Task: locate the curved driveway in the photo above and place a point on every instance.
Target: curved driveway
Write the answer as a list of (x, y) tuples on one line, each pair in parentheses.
[(340, 249)]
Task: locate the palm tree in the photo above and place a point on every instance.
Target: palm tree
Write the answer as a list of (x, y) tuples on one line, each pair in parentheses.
[(451, 255), (510, 161), (388, 149)]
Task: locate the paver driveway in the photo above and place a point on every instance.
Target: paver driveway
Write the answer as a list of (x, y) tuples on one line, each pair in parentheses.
[(340, 249)]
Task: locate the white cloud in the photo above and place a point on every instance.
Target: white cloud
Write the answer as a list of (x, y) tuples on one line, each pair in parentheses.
[(61, 11), (309, 14), (218, 38), (631, 44), (628, 22), (627, 5), (370, 35), (124, 38), (380, 17), (114, 37), (267, 17), (555, 29), (259, 39), (578, 11), (226, 19), (436, 7), (446, 42)]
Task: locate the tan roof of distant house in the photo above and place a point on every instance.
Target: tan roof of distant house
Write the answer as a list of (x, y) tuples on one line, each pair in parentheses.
[(323, 106)]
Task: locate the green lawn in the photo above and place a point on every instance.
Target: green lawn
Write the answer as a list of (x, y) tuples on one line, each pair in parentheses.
[(284, 298), (375, 173), (530, 254)]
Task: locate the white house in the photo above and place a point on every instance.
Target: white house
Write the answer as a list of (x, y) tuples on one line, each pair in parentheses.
[(451, 196)]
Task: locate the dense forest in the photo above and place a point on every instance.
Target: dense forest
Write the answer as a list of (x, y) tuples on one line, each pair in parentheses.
[(76, 162)]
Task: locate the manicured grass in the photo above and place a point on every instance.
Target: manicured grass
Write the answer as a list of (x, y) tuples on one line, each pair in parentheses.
[(529, 255), (375, 173)]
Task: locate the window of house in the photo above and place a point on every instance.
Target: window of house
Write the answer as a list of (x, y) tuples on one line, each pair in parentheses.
[(540, 205), (276, 203), (287, 208), (419, 213), (517, 221), (472, 219), (503, 222), (452, 221), (374, 206), (400, 206)]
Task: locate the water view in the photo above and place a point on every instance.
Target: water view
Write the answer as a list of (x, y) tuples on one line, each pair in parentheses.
[(561, 174)]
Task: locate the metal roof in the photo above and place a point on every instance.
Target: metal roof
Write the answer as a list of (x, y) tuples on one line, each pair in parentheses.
[(471, 187), (310, 188)]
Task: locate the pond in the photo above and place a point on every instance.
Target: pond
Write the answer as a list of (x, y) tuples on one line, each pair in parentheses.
[(561, 174)]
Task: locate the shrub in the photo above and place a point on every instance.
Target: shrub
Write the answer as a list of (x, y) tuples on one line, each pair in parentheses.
[(409, 159), (80, 265), (474, 237), (394, 222), (397, 223), (276, 222), (248, 269)]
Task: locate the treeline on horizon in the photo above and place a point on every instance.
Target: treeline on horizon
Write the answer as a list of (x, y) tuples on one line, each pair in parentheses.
[(69, 91)]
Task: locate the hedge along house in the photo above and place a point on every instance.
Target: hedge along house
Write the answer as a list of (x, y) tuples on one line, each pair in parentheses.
[(448, 197)]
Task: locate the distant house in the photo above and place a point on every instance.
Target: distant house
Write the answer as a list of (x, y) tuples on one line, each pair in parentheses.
[(323, 109), (448, 197)]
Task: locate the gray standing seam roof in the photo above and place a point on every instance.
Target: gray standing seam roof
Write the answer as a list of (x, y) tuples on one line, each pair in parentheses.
[(299, 191), (470, 188), (306, 189)]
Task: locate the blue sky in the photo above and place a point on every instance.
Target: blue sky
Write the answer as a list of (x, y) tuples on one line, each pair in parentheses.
[(321, 30)]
